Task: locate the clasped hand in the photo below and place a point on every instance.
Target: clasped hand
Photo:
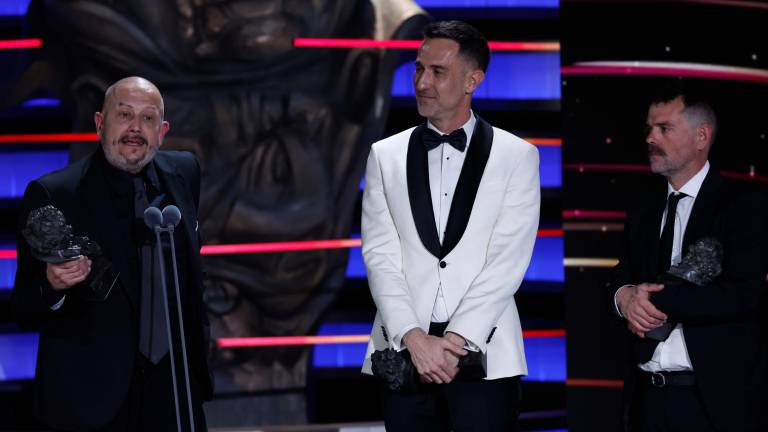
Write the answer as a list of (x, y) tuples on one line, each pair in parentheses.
[(69, 273), (635, 305), (436, 358)]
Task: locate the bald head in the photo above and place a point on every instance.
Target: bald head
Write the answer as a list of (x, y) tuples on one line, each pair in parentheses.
[(130, 124), (137, 84)]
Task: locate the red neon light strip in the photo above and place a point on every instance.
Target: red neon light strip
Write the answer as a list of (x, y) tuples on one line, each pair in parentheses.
[(279, 246), (545, 142), (605, 383), (415, 44), (664, 71), (289, 341), (20, 43), (245, 248), (593, 214), (729, 3), (548, 232), (254, 342), (534, 334), (53, 137), (248, 248)]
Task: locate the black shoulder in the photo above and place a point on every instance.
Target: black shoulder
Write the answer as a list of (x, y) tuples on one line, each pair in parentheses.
[(65, 179), (184, 161)]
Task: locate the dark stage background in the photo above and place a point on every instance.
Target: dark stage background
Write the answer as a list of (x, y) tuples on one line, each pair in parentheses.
[(282, 132), (640, 45)]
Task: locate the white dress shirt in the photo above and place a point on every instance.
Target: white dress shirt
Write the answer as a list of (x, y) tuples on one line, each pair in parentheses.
[(445, 163), (672, 354)]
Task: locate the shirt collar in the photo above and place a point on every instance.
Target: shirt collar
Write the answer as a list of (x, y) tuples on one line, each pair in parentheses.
[(692, 186), (121, 181), (468, 127)]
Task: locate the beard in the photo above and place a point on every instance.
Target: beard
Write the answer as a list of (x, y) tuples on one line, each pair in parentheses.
[(122, 163)]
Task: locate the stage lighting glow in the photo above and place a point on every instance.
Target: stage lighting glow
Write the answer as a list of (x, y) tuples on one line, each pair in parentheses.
[(415, 44), (8, 44), (48, 137), (690, 70)]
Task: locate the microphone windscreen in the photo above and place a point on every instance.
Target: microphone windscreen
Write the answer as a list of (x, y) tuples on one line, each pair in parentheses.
[(171, 215), (153, 217)]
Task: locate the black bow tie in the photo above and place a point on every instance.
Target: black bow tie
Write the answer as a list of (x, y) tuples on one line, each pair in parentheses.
[(432, 139)]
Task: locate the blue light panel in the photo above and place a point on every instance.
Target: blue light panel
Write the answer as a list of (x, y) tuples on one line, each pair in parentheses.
[(15, 8), (20, 167), (545, 356), (41, 102), (510, 76), (18, 356), (546, 263), (7, 270), (550, 166)]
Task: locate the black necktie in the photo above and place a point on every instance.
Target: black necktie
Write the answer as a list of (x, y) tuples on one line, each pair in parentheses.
[(662, 332), (153, 336), (668, 233), (457, 139)]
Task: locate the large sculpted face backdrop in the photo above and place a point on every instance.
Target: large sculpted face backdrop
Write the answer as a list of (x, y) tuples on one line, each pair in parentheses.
[(281, 133)]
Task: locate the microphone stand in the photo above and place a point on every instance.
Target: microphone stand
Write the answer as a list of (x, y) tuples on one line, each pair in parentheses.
[(161, 257)]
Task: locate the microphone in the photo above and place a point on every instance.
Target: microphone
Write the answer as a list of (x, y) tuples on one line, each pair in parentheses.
[(171, 215), (153, 217)]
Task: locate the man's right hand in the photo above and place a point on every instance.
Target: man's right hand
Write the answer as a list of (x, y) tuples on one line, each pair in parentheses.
[(67, 274), (428, 354), (636, 307)]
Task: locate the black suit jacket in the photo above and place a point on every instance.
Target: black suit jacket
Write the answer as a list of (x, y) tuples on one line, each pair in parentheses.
[(87, 349), (722, 323)]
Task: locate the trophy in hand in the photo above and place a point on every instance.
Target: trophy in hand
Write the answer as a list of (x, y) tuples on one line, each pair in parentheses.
[(51, 241), (700, 266)]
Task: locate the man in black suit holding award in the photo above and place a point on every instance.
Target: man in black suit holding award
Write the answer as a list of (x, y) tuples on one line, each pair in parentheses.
[(103, 359), (698, 361)]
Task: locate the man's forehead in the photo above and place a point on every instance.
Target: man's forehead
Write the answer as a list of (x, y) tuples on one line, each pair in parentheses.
[(665, 110), (438, 50), (135, 97)]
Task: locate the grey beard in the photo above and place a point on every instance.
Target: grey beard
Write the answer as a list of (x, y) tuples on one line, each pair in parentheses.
[(119, 162)]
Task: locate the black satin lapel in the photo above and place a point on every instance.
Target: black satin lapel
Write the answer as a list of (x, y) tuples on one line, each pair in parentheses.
[(180, 195), (417, 171), (704, 210), (466, 189), (99, 215)]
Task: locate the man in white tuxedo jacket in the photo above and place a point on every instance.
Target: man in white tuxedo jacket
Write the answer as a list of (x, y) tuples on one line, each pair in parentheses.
[(450, 214)]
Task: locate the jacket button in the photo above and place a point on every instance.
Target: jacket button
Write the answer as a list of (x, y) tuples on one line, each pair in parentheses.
[(443, 264)]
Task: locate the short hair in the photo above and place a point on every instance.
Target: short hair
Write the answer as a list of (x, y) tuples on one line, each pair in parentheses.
[(472, 43), (696, 107)]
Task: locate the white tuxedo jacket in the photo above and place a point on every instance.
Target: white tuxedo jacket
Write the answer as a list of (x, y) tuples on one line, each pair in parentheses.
[(486, 248)]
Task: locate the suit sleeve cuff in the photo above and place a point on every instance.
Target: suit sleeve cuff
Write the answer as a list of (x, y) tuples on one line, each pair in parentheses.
[(397, 340), (616, 302), (51, 298)]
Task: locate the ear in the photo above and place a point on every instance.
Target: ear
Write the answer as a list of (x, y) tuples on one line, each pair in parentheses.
[(98, 120), (164, 128), (474, 78), (703, 136)]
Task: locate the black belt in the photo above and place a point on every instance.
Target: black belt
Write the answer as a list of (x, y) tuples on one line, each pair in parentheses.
[(666, 379)]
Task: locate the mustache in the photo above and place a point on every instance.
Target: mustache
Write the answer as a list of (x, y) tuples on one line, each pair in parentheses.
[(424, 94), (133, 137), (655, 150)]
